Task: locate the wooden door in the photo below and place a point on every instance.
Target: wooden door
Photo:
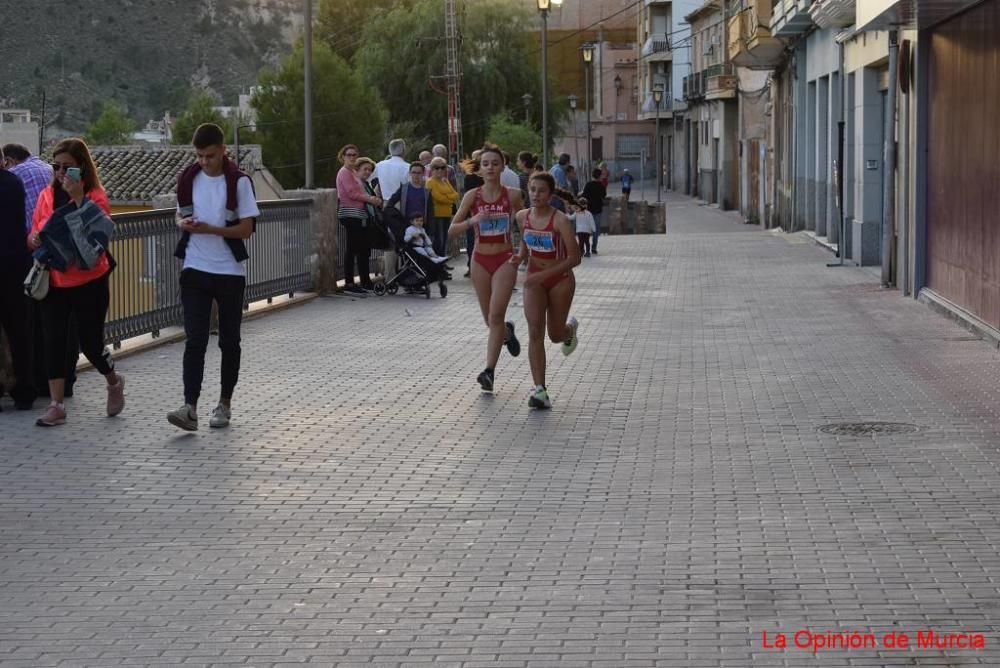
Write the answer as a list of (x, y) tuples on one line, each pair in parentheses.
[(963, 168)]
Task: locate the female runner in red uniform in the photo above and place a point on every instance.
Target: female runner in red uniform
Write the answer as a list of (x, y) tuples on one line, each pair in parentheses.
[(491, 207), (548, 242)]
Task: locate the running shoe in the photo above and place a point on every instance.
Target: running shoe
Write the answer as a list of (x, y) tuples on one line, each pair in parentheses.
[(513, 345), (220, 416), (485, 379), (569, 345), (116, 396), (54, 415), (539, 398), (184, 417)]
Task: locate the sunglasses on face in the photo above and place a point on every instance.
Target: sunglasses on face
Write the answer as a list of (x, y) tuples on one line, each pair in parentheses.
[(58, 167), (350, 155), (437, 168)]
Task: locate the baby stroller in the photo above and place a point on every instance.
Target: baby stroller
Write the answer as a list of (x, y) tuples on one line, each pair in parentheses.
[(414, 273)]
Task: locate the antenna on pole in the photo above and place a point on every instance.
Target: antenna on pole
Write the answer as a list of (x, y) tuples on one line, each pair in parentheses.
[(453, 76)]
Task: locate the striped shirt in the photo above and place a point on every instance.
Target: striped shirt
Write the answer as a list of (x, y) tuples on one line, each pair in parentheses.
[(36, 175)]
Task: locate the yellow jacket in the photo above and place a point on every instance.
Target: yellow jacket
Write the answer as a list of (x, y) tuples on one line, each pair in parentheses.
[(444, 196)]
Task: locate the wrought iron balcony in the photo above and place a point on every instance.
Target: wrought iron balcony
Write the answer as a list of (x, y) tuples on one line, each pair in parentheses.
[(656, 44)]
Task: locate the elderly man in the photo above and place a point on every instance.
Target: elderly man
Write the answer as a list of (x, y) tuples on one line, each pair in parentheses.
[(34, 173), (391, 174)]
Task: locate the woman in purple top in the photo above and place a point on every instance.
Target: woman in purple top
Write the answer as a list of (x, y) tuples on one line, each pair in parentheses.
[(351, 212)]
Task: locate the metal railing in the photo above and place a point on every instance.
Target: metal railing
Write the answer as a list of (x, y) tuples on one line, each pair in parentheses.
[(145, 291)]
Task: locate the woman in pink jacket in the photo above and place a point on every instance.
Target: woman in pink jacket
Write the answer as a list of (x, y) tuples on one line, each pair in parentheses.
[(351, 212)]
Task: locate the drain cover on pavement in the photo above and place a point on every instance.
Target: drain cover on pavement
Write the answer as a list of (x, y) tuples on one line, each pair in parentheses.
[(868, 428)]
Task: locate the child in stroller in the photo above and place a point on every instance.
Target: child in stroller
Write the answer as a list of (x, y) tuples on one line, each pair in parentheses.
[(419, 265)]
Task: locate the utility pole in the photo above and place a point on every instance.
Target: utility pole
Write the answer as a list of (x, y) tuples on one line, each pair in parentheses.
[(307, 50), (453, 77)]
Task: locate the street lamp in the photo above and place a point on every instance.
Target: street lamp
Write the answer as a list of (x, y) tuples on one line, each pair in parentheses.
[(543, 8), (576, 142), (236, 137), (526, 98), (588, 59), (657, 98)]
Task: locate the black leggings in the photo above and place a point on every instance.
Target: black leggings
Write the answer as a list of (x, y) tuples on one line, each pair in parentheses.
[(89, 304), (356, 249)]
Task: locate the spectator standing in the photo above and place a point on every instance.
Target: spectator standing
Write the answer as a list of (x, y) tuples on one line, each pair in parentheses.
[(626, 188), (444, 197), (34, 173), (352, 215), (558, 171), (81, 288), (411, 197), (583, 222), (574, 182), (441, 151), (15, 261), (526, 161), (605, 174), (425, 158), (595, 192), (216, 209), (508, 177), (394, 171), (473, 180)]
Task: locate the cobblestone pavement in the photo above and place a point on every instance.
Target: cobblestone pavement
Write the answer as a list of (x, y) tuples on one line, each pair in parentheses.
[(370, 506)]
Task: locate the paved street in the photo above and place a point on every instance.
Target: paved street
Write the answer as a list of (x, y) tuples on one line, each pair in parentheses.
[(370, 506)]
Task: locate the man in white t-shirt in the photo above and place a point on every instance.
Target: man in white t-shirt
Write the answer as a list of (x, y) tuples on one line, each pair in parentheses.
[(392, 172), (216, 210)]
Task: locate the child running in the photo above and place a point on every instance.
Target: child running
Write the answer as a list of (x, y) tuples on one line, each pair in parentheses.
[(491, 207), (548, 242)]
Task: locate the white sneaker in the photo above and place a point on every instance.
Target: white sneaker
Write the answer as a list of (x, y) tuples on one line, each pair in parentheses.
[(184, 417), (569, 345), (220, 417)]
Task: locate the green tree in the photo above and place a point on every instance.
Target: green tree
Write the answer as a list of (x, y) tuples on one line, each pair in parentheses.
[(337, 22), (112, 126), (200, 109), (345, 110), (513, 136), (403, 56)]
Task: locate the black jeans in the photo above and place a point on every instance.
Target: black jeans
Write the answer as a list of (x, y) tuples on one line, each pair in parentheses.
[(198, 290), (14, 311), (88, 303), (356, 249), (439, 235)]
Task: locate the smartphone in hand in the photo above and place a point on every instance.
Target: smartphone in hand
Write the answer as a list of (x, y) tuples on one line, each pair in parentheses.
[(73, 173)]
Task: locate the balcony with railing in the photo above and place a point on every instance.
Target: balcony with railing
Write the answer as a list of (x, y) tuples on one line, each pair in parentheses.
[(790, 18), (694, 86), (751, 44), (720, 82), (657, 47), (833, 13)]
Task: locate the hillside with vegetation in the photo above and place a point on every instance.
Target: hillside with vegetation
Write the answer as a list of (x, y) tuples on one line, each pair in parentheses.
[(147, 55)]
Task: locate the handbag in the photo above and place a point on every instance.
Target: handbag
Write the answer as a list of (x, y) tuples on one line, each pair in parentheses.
[(36, 283)]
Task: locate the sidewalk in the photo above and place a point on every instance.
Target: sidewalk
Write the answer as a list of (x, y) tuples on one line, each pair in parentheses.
[(370, 506)]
